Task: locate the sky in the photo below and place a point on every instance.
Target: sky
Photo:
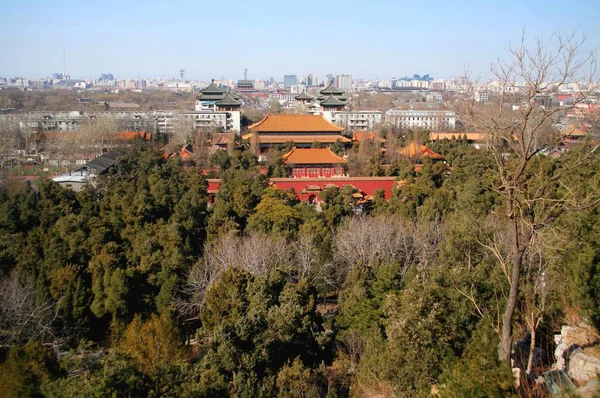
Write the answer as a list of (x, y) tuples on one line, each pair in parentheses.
[(213, 39)]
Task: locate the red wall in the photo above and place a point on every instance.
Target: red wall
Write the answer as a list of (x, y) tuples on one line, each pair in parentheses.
[(367, 185)]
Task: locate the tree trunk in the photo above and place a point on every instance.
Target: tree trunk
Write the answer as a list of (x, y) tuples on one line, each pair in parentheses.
[(531, 348), (505, 347)]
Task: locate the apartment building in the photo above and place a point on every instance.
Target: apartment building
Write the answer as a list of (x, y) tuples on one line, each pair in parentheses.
[(421, 119)]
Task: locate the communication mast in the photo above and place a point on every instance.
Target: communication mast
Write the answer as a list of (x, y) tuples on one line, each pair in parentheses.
[(182, 73)]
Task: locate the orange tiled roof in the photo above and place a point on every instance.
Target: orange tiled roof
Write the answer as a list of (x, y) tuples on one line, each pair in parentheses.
[(186, 152), (294, 123), (222, 138), (573, 132), (360, 136), (418, 151), (120, 136), (457, 135), (312, 156), (297, 138)]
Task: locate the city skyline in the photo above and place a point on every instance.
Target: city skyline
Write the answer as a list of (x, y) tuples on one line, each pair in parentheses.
[(157, 39)]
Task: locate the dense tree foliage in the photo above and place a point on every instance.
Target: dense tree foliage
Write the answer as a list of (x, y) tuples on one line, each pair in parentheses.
[(139, 287)]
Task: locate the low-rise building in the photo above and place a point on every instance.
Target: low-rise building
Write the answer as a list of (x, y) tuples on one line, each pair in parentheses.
[(213, 101), (355, 120), (314, 163), (302, 130), (421, 119), (77, 179)]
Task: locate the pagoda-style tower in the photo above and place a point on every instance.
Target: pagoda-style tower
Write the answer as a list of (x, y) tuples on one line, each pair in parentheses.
[(209, 96), (229, 103), (304, 98), (214, 104), (332, 99), (332, 103)]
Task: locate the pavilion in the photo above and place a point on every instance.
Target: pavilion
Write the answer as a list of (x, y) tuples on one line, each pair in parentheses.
[(302, 130)]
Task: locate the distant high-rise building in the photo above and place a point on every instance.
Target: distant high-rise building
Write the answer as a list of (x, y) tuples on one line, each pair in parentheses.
[(58, 76), (289, 81), (343, 82), (312, 80), (107, 76)]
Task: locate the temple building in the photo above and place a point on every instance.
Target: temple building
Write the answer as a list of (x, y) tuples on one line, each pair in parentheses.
[(314, 163), (334, 107), (302, 130), (418, 152), (245, 86), (217, 107), (304, 98), (331, 99)]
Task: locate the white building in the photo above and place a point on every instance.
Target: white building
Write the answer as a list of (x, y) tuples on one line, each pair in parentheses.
[(343, 82), (354, 120), (421, 119), (214, 101), (482, 96), (283, 97), (297, 88)]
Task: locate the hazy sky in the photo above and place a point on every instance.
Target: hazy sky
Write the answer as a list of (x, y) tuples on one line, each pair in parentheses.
[(271, 38)]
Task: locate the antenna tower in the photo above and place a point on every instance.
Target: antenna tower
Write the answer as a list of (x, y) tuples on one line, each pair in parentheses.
[(182, 73), (245, 74)]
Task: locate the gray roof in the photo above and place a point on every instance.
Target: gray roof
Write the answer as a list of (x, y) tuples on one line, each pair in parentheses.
[(332, 89), (104, 162), (228, 100), (303, 96), (332, 101), (212, 89)]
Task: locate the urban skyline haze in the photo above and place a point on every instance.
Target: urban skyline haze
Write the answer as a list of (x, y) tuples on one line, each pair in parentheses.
[(380, 39)]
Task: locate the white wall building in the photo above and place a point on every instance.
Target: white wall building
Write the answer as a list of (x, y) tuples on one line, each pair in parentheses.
[(354, 120), (481, 96), (343, 82), (421, 119)]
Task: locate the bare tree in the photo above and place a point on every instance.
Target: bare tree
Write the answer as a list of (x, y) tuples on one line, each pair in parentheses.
[(11, 139), (518, 126), (256, 254), (367, 241), (23, 318), (183, 130)]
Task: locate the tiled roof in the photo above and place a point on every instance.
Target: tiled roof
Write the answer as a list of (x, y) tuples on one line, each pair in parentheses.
[(186, 152), (102, 163), (297, 138), (457, 135), (294, 123), (573, 132), (222, 138), (360, 136), (228, 100), (212, 89), (312, 156), (303, 96), (332, 101), (331, 89), (418, 152)]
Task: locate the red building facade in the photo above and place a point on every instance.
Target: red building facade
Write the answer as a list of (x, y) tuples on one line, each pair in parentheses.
[(314, 163), (308, 189)]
